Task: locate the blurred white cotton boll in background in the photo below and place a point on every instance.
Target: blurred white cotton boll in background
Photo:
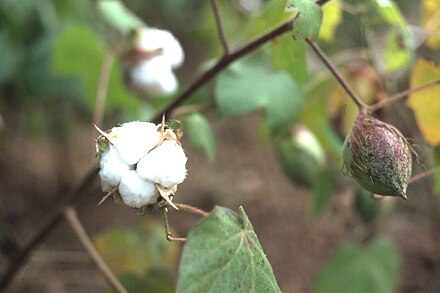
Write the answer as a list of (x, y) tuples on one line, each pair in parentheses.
[(137, 192), (112, 168), (154, 77), (133, 140), (153, 39), (165, 165)]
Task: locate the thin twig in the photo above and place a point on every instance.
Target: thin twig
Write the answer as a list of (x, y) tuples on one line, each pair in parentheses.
[(361, 105), (166, 224), (74, 222), (401, 95), (424, 175), (47, 225), (191, 209), (101, 94), (219, 26), (222, 64)]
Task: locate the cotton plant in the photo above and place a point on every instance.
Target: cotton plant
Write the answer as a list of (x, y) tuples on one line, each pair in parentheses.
[(141, 163), (150, 61)]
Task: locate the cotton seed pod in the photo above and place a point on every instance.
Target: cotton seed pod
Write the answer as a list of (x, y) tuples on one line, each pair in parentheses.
[(378, 156)]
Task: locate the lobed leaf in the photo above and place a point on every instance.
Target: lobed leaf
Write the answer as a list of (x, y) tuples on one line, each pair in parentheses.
[(223, 254)]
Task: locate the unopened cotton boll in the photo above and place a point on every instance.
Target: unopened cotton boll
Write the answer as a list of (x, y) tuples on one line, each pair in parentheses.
[(154, 77), (164, 165), (135, 191), (112, 168), (133, 140), (153, 39)]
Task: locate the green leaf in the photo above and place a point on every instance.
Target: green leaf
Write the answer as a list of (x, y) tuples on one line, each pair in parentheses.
[(201, 135), (390, 12), (118, 16), (399, 44), (359, 269), (290, 56), (322, 190), (10, 59), (223, 254), (308, 17), (314, 116), (248, 85), (79, 53), (332, 17), (398, 50)]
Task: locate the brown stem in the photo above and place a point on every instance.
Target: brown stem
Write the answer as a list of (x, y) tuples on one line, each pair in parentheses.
[(219, 26), (74, 222), (424, 175), (361, 105), (401, 95), (222, 64), (191, 209), (47, 225), (101, 94)]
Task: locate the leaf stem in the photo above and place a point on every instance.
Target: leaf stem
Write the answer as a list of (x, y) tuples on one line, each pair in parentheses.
[(220, 27), (361, 105), (191, 209), (401, 95), (73, 220)]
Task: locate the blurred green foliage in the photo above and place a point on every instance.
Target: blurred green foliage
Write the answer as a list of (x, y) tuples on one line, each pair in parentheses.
[(356, 268), (141, 257)]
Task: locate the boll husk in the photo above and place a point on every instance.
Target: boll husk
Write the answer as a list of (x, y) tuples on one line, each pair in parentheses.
[(378, 156)]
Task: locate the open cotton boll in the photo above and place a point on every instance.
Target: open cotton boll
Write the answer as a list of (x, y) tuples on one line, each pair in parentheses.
[(152, 39), (135, 139), (164, 165), (135, 191), (154, 76), (112, 168)]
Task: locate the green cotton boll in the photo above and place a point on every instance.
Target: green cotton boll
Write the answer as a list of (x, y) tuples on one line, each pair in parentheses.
[(378, 156), (301, 156)]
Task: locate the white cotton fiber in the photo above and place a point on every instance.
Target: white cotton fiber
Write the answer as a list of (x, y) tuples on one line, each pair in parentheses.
[(135, 139), (137, 192), (154, 77), (152, 39), (112, 168), (164, 165)]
